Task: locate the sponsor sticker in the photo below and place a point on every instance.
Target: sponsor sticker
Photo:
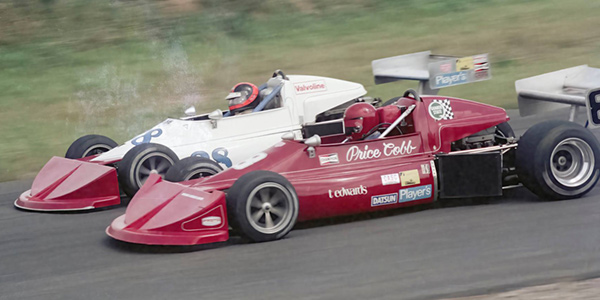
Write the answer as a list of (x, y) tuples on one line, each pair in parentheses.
[(389, 149), (250, 161), (345, 192), (410, 177), (211, 221), (441, 110), (446, 68), (192, 196), (390, 179), (454, 78), (464, 63), (384, 199), (329, 159), (310, 87), (414, 193), (425, 169)]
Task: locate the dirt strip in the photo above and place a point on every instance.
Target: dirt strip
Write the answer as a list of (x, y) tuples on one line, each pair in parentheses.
[(579, 290)]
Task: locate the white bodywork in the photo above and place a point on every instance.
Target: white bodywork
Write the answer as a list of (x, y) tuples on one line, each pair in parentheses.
[(236, 138)]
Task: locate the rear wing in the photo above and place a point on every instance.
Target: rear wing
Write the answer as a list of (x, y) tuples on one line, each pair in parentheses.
[(571, 87), (432, 71)]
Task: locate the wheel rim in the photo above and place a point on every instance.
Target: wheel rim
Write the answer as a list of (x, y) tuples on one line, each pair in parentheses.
[(153, 163), (96, 149), (269, 207), (572, 162), (203, 172)]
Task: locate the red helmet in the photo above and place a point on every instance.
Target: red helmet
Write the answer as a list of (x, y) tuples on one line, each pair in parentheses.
[(359, 119), (243, 96)]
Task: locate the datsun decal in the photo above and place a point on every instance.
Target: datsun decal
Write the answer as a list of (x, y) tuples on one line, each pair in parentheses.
[(384, 199)]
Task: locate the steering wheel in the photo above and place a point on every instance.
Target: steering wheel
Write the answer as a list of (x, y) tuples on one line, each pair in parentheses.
[(279, 73), (413, 93)]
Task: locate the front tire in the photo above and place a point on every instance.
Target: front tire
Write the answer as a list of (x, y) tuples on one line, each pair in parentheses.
[(558, 160), (192, 168), (141, 161), (263, 206), (89, 145)]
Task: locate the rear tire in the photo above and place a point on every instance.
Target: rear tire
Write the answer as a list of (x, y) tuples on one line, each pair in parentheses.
[(263, 206), (89, 145), (192, 168), (142, 160), (558, 160)]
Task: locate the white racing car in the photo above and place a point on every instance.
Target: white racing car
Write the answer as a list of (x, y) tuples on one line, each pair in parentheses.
[(258, 116)]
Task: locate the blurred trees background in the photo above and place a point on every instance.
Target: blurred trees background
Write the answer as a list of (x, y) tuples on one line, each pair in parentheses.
[(118, 67)]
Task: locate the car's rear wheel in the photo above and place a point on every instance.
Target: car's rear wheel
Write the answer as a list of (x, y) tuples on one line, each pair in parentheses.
[(263, 206), (192, 168), (558, 160), (141, 161), (89, 145)]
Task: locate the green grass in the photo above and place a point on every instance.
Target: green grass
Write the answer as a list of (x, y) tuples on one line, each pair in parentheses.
[(74, 67)]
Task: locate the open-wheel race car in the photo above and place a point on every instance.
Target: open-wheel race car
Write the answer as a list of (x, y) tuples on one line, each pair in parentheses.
[(416, 150), (96, 170)]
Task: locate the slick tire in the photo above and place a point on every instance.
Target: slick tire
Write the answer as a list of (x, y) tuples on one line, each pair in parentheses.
[(558, 160), (142, 160), (262, 206), (89, 145), (192, 168)]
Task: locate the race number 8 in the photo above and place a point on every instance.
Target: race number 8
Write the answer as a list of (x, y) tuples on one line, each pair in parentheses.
[(219, 155), (593, 106)]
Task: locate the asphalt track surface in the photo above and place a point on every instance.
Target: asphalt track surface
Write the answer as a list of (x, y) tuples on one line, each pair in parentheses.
[(420, 253)]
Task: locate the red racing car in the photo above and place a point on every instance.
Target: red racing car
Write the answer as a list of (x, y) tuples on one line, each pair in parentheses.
[(414, 151)]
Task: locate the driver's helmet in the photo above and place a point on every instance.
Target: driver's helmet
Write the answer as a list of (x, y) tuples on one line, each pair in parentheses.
[(359, 119), (243, 96)]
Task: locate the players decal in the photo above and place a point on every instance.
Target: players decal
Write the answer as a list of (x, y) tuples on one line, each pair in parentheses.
[(414, 193), (441, 110)]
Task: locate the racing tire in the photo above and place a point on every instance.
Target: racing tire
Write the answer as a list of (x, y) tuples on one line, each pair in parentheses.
[(505, 130), (558, 160), (262, 206), (142, 160), (89, 145), (192, 168)]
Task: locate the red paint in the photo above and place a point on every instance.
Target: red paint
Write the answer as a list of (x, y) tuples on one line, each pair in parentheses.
[(337, 187)]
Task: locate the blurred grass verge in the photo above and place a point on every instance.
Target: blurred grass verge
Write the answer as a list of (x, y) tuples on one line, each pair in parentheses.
[(73, 67)]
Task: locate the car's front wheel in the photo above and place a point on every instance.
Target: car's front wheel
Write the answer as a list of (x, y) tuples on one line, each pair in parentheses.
[(192, 168), (558, 160), (263, 206), (89, 145), (141, 161)]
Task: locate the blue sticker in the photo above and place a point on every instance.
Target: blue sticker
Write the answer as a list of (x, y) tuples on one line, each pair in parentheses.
[(449, 79), (147, 137), (415, 193), (384, 199), (219, 155)]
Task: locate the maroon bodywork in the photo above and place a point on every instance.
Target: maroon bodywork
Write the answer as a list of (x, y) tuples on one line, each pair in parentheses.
[(342, 178)]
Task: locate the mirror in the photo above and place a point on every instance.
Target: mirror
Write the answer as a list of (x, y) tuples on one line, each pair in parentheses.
[(288, 136), (313, 141), (191, 111), (216, 115)]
